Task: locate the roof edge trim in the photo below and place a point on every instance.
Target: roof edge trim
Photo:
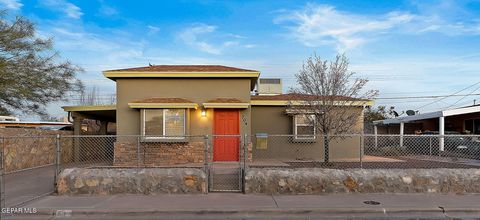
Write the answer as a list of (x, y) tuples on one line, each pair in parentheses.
[(162, 105), (82, 108)]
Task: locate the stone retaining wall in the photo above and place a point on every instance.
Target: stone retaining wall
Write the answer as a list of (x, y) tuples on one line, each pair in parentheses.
[(319, 181), (27, 148), (150, 181)]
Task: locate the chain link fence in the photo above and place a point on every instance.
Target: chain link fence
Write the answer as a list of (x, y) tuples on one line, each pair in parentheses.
[(422, 151), (132, 151), (30, 164), (365, 151)]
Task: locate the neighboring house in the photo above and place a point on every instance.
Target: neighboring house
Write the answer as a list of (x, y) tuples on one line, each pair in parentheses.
[(166, 104), (465, 120), (14, 122), (461, 120)]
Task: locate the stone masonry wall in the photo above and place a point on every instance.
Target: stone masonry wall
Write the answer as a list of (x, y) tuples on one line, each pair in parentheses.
[(27, 148), (319, 181), (149, 181), (158, 154)]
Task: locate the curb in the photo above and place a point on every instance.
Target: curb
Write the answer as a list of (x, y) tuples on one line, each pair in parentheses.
[(274, 211)]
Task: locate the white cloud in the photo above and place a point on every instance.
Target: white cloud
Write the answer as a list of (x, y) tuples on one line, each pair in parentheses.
[(317, 25), (152, 29), (191, 37), (250, 45), (322, 24), (69, 9), (11, 4), (107, 10), (420, 76), (206, 38)]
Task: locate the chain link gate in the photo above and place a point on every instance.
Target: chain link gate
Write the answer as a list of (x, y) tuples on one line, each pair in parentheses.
[(27, 169), (225, 173)]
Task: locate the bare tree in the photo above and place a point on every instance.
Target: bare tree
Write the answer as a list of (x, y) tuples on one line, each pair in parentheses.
[(89, 97), (328, 90), (92, 97)]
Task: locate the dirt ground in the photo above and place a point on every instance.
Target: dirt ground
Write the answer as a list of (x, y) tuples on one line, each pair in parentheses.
[(396, 163), (377, 162)]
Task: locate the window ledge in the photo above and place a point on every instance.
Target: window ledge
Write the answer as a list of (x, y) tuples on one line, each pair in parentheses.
[(164, 140)]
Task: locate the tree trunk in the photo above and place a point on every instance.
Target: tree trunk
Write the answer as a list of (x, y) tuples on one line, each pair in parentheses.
[(326, 146)]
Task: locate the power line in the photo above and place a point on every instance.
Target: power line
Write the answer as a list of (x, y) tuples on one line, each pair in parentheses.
[(425, 97), (448, 96), (462, 98)]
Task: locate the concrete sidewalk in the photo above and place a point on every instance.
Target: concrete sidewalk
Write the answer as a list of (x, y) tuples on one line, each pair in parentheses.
[(230, 203)]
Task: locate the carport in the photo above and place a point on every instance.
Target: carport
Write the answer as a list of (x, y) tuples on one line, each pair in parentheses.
[(465, 120), (102, 113)]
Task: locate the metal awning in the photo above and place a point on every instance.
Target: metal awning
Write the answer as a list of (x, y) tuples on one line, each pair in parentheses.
[(430, 115)]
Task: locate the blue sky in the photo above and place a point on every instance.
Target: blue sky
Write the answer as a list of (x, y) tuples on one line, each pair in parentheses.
[(405, 48)]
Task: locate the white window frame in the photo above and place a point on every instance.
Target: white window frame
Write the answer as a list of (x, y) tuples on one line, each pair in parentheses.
[(304, 137), (163, 137)]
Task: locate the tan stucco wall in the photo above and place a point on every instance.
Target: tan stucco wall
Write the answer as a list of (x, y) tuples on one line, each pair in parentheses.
[(274, 121), (196, 90)]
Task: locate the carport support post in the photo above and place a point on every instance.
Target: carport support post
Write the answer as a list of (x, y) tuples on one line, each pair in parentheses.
[(402, 127), (77, 131), (441, 132)]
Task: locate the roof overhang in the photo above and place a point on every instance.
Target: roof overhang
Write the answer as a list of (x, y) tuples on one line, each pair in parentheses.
[(295, 111), (225, 105), (99, 112), (150, 74), (252, 75), (430, 115), (162, 105), (86, 108), (303, 103)]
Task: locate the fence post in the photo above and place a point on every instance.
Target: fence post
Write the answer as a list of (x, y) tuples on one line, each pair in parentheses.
[(205, 163), (138, 164), (430, 141), (2, 192), (362, 139), (245, 153), (138, 153), (57, 161)]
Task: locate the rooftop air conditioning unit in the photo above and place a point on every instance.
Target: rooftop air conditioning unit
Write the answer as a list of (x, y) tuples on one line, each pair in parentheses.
[(269, 86)]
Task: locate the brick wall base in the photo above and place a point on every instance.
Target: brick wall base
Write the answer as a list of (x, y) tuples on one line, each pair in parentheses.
[(153, 154)]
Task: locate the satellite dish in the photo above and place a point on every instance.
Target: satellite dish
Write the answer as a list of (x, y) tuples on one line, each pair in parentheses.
[(410, 112)]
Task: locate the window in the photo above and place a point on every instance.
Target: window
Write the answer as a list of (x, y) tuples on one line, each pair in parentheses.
[(164, 123), (472, 125), (304, 127)]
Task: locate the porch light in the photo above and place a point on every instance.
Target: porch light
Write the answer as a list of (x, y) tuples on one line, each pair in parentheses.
[(204, 113)]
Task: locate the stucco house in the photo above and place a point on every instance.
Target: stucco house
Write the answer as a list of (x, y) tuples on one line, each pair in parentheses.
[(168, 105)]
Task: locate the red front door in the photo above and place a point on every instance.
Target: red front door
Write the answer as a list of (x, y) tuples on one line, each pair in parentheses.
[(225, 147)]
